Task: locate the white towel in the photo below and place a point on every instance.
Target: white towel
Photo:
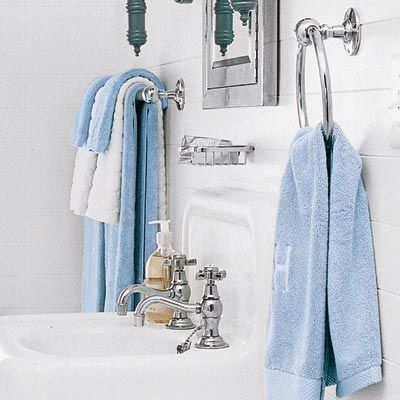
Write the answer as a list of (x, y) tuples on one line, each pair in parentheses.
[(96, 188)]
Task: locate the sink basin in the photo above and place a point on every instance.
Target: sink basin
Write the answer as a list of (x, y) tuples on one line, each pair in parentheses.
[(95, 337), (103, 357)]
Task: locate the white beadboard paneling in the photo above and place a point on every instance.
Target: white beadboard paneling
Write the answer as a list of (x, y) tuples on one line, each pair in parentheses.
[(325, 12), (52, 50), (13, 125), (374, 11), (63, 258), (8, 289), (12, 159), (39, 196), (390, 321), (343, 69), (50, 124), (379, 44), (42, 292), (13, 258), (38, 258), (387, 255), (54, 90), (14, 62), (263, 171), (13, 226), (57, 44), (54, 226), (373, 134), (41, 310), (13, 24), (178, 197), (13, 91), (70, 3), (388, 389), (14, 196), (53, 159), (383, 186)]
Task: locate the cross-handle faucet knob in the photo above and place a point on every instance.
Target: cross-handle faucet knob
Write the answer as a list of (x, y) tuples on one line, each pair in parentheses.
[(210, 273), (179, 261)]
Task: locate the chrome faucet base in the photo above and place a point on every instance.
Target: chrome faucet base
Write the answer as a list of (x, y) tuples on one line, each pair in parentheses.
[(182, 322), (181, 288), (211, 342)]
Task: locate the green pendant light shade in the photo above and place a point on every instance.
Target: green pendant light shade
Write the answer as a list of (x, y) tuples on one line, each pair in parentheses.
[(223, 34), (137, 35), (244, 7)]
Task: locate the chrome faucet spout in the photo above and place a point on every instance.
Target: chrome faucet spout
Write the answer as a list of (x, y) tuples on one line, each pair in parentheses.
[(175, 304), (122, 303)]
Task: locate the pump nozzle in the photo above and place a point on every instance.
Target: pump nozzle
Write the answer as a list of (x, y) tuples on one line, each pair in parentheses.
[(164, 236)]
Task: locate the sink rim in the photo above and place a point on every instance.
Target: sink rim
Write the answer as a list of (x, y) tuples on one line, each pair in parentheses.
[(14, 329)]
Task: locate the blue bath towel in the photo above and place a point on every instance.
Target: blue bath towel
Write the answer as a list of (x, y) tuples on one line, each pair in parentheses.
[(114, 254), (101, 125), (82, 119), (324, 322)]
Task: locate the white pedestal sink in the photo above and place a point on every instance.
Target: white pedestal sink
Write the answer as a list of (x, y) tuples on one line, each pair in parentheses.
[(104, 357)]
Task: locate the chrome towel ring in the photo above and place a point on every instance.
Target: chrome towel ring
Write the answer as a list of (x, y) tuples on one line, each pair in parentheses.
[(309, 31)]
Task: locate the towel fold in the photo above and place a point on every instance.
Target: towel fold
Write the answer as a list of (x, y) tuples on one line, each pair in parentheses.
[(99, 140), (97, 177), (82, 119), (324, 322), (114, 254), (104, 198), (86, 160)]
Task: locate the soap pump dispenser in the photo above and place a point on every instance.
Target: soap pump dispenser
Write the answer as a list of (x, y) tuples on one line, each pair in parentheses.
[(158, 272)]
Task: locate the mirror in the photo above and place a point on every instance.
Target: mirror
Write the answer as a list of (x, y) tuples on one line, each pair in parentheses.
[(246, 74)]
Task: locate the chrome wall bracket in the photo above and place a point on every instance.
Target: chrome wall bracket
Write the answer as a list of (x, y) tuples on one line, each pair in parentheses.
[(151, 94), (349, 31), (310, 32)]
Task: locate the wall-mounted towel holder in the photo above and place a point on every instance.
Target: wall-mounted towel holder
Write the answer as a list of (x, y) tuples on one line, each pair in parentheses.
[(151, 94), (309, 31), (209, 151)]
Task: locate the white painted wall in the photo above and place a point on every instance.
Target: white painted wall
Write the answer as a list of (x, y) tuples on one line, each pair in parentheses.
[(362, 94), (50, 50)]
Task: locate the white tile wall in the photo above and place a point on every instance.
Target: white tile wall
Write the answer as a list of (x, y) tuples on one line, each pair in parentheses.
[(50, 50), (362, 94)]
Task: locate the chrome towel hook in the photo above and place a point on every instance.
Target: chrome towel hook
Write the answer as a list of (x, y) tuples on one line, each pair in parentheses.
[(309, 31), (151, 94)]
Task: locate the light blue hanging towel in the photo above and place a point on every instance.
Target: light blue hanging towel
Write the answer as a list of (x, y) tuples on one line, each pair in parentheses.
[(82, 119), (101, 124), (114, 254), (324, 321)]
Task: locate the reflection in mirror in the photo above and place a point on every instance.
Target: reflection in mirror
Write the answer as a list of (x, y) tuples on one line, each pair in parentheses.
[(241, 49), (239, 53)]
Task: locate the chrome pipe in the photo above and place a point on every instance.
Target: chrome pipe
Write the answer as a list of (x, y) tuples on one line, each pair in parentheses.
[(122, 303), (175, 304)]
